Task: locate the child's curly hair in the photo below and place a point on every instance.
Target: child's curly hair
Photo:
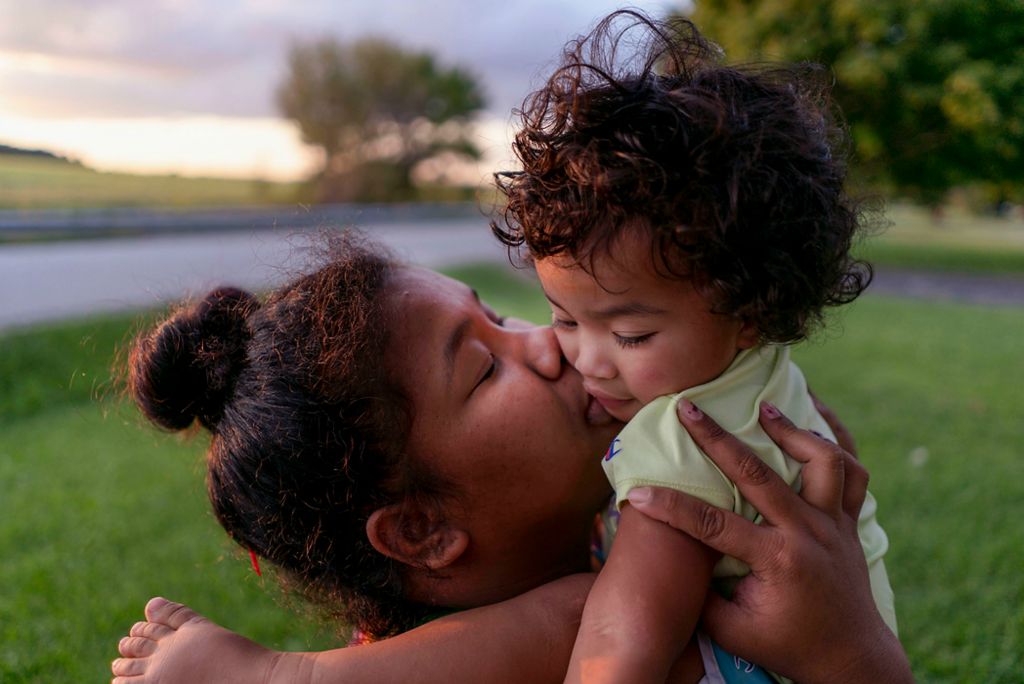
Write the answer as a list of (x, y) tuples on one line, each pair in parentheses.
[(736, 173)]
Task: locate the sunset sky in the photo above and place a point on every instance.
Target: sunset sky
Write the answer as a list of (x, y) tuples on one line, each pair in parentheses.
[(187, 86)]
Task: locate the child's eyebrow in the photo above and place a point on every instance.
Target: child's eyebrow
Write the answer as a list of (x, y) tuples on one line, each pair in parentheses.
[(616, 310), (626, 309)]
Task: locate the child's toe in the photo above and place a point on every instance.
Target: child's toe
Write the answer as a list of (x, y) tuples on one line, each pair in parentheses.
[(128, 667), (164, 612), (150, 630), (136, 647)]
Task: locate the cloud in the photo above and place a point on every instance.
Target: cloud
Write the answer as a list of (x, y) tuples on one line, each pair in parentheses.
[(129, 58), (188, 85)]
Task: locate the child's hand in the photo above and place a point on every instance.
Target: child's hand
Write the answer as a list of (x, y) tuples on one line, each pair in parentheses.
[(806, 609)]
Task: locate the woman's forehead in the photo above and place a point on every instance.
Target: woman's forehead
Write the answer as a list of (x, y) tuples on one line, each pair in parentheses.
[(425, 307), (416, 287)]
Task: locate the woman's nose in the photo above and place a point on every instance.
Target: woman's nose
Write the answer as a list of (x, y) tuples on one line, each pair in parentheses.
[(542, 352)]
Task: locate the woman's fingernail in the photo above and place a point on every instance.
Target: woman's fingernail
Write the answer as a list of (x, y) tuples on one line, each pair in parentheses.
[(688, 409), (769, 411), (815, 432), (639, 495)]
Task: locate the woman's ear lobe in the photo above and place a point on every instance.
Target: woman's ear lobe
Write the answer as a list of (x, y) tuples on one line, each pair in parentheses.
[(414, 537)]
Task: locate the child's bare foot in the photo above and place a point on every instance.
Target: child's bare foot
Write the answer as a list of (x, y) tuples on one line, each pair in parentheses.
[(177, 645)]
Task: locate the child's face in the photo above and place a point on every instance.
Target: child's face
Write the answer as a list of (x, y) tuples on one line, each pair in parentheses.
[(633, 334)]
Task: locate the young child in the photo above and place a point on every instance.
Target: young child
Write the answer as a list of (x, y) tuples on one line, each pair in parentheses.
[(687, 220)]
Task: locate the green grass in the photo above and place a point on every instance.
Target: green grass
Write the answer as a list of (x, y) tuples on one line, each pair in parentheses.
[(960, 242), (99, 512), (41, 183)]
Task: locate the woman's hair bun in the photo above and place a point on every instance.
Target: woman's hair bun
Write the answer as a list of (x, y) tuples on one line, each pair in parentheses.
[(186, 367)]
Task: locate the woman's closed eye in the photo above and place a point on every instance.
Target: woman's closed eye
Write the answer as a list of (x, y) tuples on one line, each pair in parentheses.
[(488, 372), (493, 315), (627, 341)]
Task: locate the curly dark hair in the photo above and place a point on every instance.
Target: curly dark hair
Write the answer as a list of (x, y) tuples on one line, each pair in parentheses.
[(735, 172), (307, 427)]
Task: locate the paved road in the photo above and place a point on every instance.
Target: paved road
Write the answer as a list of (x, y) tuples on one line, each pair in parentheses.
[(969, 289), (51, 281)]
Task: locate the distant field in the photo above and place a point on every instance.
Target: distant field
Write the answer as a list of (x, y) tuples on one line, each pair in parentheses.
[(99, 512), (42, 183), (46, 183), (912, 239), (959, 242)]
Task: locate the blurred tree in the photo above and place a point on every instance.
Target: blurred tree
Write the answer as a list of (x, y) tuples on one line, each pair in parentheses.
[(932, 90), (377, 111)]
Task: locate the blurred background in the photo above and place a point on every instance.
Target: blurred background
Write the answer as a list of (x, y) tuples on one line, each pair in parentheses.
[(150, 150)]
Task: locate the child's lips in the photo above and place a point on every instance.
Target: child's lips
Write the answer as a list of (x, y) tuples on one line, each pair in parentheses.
[(609, 403), (596, 414)]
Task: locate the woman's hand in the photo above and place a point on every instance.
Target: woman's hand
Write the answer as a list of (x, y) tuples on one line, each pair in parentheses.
[(806, 609)]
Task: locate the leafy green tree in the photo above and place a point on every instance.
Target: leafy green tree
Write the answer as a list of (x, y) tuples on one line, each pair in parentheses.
[(376, 110), (933, 90)]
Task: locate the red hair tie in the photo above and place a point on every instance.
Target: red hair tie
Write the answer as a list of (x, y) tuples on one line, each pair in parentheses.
[(255, 562)]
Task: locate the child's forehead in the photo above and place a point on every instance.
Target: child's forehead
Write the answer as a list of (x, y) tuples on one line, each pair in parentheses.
[(628, 256), (607, 277)]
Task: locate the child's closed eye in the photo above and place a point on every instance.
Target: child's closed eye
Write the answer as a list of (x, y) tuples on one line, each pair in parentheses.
[(564, 323), (632, 340)]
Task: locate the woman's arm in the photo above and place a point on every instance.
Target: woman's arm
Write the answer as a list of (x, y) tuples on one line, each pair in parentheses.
[(527, 638), (805, 610)]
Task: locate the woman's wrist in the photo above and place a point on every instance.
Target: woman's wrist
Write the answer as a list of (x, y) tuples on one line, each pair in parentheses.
[(879, 658)]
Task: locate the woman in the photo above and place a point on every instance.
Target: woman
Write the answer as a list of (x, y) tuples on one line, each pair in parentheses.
[(397, 449)]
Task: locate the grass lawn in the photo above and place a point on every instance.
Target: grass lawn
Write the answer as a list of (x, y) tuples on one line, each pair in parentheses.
[(98, 512), (959, 242)]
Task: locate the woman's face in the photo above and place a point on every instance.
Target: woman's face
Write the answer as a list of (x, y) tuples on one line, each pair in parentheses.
[(499, 413)]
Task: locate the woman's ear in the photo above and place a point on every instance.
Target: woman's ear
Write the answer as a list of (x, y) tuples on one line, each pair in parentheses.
[(416, 537)]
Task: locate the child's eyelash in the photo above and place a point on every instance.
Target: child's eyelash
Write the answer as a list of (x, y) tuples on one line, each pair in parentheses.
[(624, 341), (562, 323)]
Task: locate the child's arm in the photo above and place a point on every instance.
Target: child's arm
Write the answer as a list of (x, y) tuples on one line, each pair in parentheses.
[(644, 605)]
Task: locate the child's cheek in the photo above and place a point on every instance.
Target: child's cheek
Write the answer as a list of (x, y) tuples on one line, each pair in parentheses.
[(653, 378)]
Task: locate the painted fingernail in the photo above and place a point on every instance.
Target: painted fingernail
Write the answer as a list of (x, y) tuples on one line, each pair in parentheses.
[(639, 495), (815, 432), (769, 411), (688, 409)]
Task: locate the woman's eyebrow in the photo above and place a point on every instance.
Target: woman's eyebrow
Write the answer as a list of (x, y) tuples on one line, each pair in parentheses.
[(451, 348), (455, 340)]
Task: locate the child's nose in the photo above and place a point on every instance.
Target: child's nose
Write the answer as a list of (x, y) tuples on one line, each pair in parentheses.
[(591, 363)]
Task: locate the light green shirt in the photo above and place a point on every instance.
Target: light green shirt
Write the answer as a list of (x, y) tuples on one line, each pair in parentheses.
[(654, 450)]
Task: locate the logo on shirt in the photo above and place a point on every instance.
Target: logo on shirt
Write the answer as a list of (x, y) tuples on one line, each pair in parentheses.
[(613, 450)]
